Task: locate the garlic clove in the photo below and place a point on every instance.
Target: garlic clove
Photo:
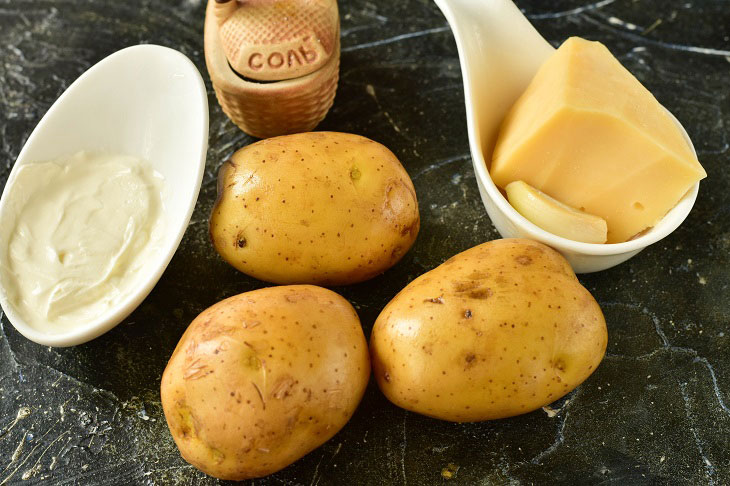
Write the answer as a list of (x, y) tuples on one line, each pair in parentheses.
[(554, 216)]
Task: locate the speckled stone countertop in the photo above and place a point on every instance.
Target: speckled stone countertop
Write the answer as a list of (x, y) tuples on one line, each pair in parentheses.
[(657, 411)]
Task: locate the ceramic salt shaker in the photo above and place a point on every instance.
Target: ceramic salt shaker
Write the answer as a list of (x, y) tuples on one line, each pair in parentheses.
[(274, 64)]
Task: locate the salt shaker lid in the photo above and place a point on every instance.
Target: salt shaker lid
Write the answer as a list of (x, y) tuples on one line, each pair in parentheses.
[(272, 40)]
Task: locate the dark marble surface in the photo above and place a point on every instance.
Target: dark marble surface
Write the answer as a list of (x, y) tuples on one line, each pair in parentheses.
[(657, 411)]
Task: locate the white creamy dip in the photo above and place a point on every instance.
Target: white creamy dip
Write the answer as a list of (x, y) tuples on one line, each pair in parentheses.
[(82, 228)]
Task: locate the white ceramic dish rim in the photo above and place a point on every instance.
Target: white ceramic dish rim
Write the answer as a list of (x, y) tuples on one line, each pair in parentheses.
[(666, 225), (123, 309)]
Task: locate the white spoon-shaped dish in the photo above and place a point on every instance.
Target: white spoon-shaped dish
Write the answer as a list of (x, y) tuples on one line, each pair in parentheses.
[(500, 52), (146, 101)]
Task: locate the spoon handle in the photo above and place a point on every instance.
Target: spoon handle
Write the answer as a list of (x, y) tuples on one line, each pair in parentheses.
[(500, 51)]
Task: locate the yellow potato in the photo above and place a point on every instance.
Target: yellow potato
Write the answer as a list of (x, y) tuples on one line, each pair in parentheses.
[(498, 330), (323, 208), (261, 379)]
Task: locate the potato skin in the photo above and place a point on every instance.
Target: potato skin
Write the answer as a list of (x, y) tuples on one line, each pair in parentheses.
[(501, 329), (260, 379), (322, 208)]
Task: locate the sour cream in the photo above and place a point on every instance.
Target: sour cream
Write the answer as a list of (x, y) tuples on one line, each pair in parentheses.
[(82, 228)]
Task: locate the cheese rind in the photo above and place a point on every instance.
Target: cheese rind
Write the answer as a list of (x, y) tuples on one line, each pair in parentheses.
[(587, 133)]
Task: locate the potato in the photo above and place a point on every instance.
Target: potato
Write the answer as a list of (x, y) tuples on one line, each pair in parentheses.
[(322, 208), (498, 330), (261, 379)]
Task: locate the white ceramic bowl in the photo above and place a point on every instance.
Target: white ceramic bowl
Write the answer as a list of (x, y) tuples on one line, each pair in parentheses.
[(500, 52), (147, 101)]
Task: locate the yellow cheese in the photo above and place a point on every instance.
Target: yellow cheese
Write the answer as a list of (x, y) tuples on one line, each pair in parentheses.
[(587, 133)]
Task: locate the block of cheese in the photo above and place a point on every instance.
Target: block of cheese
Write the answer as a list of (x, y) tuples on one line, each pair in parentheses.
[(587, 133)]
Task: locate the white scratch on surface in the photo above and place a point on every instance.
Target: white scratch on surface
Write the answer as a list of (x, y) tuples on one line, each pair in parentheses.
[(561, 428), (622, 23), (23, 412), (31, 472), (392, 123), (40, 442), (657, 327), (358, 28), (708, 465), (716, 388), (652, 27), (18, 449), (667, 45), (315, 478), (573, 11), (440, 163), (337, 451), (558, 440), (370, 90), (397, 38), (697, 359)]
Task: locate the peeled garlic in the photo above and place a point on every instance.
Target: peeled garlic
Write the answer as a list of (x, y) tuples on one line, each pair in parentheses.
[(554, 216)]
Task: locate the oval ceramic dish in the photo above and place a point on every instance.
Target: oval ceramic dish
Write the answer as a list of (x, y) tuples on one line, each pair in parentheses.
[(500, 52), (146, 101)]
